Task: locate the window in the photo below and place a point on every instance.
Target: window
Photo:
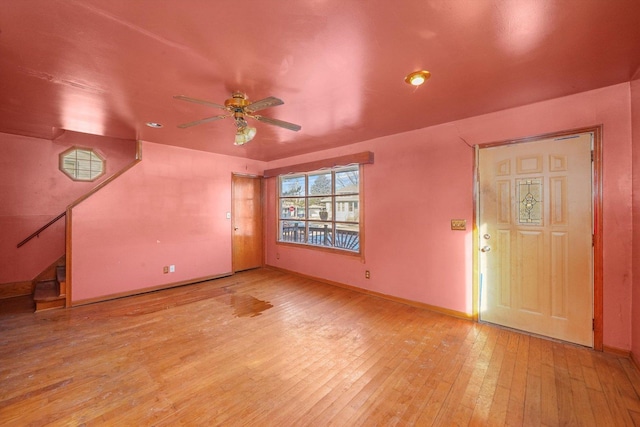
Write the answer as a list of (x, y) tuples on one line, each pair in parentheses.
[(321, 208), (81, 164)]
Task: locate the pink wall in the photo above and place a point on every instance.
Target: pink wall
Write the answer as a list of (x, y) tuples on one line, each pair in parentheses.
[(34, 191), (635, 114), (169, 209), (423, 179), (408, 208)]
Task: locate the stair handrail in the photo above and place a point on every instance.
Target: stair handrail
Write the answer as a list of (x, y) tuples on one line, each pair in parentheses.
[(137, 159), (41, 229)]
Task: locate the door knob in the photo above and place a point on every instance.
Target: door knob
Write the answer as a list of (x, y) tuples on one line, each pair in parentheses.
[(235, 228), (485, 249)]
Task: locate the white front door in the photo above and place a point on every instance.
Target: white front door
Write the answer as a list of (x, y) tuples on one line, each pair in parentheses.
[(535, 230)]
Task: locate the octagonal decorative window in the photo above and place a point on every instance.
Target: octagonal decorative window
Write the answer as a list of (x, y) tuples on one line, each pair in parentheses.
[(82, 164)]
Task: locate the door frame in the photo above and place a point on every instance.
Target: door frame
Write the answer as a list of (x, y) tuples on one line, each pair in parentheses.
[(596, 199)]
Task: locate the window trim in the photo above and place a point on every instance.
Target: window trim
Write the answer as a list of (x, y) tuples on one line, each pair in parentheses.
[(362, 158), (331, 249)]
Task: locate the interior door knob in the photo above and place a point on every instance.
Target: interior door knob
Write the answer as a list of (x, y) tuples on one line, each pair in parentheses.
[(485, 249), (235, 228)]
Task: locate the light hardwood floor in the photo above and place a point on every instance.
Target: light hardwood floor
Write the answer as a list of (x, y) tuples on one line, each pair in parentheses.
[(270, 349)]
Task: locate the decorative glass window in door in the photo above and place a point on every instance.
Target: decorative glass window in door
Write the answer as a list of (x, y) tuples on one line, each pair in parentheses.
[(529, 196)]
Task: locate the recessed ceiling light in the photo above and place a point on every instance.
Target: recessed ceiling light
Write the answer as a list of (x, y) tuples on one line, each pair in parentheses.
[(154, 125), (417, 77)]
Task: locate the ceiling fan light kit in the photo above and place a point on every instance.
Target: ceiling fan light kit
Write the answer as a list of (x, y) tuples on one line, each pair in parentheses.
[(244, 135), (240, 107)]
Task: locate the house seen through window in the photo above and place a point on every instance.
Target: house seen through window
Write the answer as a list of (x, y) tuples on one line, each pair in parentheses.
[(321, 208)]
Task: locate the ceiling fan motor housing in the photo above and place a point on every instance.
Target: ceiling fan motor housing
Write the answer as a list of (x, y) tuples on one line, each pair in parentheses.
[(237, 101)]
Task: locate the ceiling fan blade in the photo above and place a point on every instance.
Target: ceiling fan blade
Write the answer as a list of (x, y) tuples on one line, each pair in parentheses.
[(200, 101), (276, 122), (201, 121), (263, 103)]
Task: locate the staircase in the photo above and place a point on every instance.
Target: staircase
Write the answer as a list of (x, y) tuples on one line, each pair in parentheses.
[(51, 293)]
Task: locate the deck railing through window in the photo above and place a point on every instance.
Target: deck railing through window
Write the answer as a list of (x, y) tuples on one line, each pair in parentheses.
[(322, 236)]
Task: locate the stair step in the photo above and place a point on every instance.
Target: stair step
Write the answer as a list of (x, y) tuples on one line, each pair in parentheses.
[(47, 295), (47, 305), (61, 273), (47, 290), (61, 276)]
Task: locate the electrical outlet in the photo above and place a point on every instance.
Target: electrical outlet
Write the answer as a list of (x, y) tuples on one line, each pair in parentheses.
[(367, 274), (458, 224), (172, 269), (165, 269)]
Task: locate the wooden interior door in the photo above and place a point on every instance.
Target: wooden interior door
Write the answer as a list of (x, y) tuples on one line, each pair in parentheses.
[(247, 222), (535, 230)]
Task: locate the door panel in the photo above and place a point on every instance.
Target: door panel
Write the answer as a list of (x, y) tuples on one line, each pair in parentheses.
[(535, 229), (247, 222)]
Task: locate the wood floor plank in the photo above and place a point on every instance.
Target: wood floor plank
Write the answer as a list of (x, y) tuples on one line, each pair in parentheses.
[(581, 404), (382, 405), (611, 391), (416, 386), (490, 382), (467, 356), (600, 408), (434, 363), (353, 376), (268, 348), (574, 363), (560, 392), (372, 380), (518, 386), (632, 372), (532, 400)]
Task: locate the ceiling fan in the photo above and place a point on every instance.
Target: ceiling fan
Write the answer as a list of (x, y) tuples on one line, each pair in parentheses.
[(239, 107)]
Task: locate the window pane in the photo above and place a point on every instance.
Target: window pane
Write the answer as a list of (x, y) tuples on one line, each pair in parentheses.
[(292, 208), (347, 208), (348, 180), (320, 208), (320, 184), (320, 234), (347, 236), (96, 167), (83, 155), (292, 231), (83, 175), (292, 185)]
